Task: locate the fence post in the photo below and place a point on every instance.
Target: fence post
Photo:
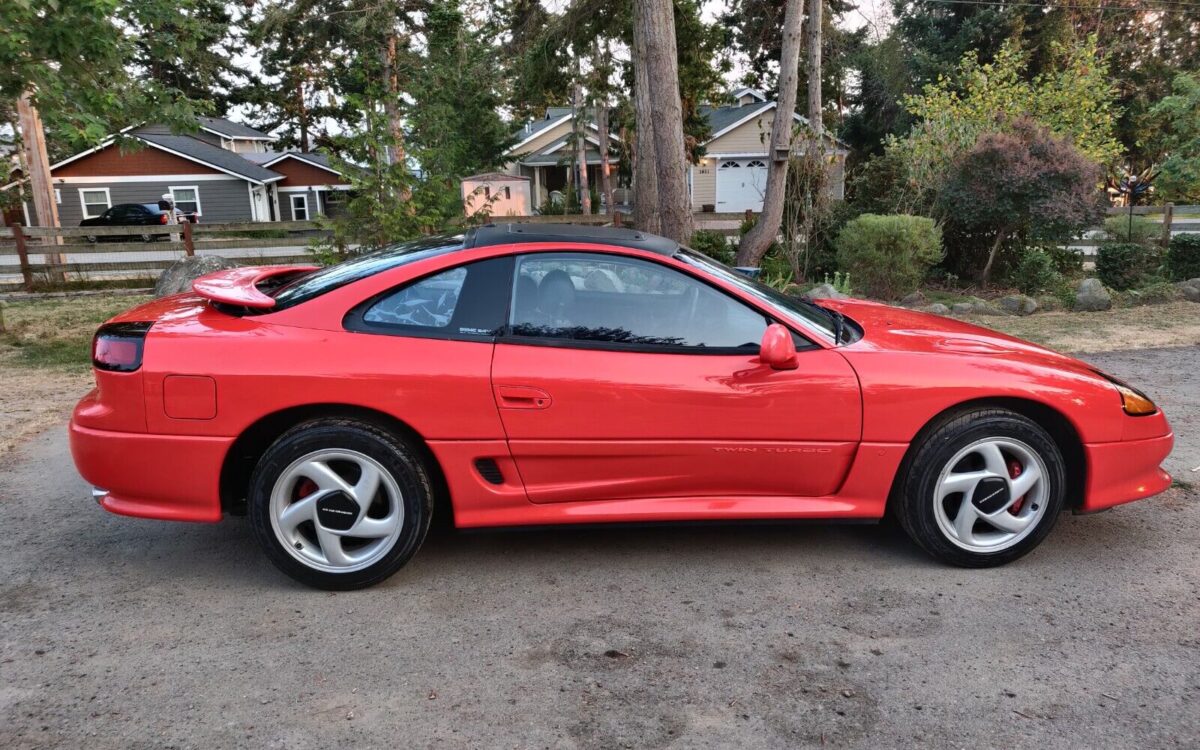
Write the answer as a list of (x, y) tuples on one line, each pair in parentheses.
[(23, 256), (189, 248), (1168, 218), (616, 219)]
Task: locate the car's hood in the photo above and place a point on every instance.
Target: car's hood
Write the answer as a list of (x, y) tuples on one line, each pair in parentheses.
[(888, 328)]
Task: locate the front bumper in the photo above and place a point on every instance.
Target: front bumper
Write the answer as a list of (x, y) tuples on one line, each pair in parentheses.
[(168, 477), (1125, 471)]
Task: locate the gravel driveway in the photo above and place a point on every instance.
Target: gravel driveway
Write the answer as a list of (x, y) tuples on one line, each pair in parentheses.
[(116, 632)]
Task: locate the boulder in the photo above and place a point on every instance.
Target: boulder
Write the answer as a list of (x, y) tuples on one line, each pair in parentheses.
[(962, 308), (1091, 296), (1189, 290), (1049, 303), (975, 306), (824, 291), (178, 277), (937, 308), (916, 299), (1018, 304)]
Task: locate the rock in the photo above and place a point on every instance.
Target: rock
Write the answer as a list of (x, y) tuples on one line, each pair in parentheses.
[(937, 308), (824, 291), (975, 306), (1189, 290), (179, 275), (1018, 304), (962, 308), (916, 299), (1091, 296), (1049, 303)]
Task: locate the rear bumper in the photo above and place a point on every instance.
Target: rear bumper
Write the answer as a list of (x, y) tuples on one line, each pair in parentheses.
[(1125, 471), (168, 477)]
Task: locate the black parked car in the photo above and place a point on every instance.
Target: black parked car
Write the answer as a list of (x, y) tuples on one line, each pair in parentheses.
[(133, 215)]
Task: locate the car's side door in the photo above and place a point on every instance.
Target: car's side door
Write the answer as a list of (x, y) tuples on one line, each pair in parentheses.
[(624, 378)]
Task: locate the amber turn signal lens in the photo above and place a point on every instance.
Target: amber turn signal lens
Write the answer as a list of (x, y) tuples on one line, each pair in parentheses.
[(1134, 402)]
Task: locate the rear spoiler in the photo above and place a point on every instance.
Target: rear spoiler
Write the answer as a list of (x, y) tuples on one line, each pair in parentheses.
[(239, 286)]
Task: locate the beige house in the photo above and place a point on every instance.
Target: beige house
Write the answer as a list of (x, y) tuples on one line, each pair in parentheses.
[(498, 193), (729, 178)]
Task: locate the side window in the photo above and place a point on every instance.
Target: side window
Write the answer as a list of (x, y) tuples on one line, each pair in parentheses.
[(464, 302), (580, 297)]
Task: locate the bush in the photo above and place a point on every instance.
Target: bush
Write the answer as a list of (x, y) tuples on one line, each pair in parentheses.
[(888, 256), (1035, 272), (712, 244), (1145, 232), (1183, 257), (1124, 265)]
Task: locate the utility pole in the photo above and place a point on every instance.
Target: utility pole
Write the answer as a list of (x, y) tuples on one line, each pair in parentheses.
[(37, 161)]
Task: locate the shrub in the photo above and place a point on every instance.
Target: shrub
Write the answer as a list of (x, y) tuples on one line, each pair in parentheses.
[(1183, 257), (1035, 272), (712, 244), (1124, 265), (888, 255), (1145, 232)]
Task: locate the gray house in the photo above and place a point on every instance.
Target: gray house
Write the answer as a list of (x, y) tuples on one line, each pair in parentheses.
[(225, 172)]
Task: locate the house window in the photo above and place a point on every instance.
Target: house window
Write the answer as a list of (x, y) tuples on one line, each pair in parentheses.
[(757, 164), (95, 201), (58, 196), (730, 165), (299, 206), (187, 199), (507, 193)]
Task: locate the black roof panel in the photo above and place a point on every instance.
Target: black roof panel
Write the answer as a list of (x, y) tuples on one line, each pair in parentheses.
[(500, 234)]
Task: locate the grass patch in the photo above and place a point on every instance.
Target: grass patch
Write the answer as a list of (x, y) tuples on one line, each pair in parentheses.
[(1144, 327), (57, 333)]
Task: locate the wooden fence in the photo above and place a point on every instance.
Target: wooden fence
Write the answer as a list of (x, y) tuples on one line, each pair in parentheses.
[(29, 255), (46, 256)]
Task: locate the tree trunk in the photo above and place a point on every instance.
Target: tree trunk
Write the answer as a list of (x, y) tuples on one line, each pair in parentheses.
[(605, 177), (758, 240), (645, 177), (392, 103), (302, 114), (987, 267), (816, 122), (585, 192), (654, 23)]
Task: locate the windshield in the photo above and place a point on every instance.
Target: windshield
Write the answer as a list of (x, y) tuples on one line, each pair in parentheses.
[(358, 267), (798, 311)]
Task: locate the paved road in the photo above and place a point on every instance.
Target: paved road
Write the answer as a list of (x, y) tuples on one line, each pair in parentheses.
[(123, 633)]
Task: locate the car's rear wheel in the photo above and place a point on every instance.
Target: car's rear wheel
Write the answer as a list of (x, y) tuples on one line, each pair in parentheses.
[(982, 488), (340, 504), (146, 237), (90, 238)]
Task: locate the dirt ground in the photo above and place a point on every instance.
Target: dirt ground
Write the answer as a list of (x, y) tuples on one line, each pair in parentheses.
[(122, 633)]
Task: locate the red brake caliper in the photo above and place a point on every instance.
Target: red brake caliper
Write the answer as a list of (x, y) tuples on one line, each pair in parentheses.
[(1014, 471), (305, 488)]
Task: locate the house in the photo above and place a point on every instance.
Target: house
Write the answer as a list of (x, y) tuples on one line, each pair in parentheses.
[(730, 177), (225, 172), (500, 194)]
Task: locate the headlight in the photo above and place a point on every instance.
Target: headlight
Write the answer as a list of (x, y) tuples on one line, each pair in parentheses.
[(1134, 402)]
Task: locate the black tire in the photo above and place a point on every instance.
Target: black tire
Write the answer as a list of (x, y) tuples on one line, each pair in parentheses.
[(913, 501), (395, 455), (91, 238), (148, 238)]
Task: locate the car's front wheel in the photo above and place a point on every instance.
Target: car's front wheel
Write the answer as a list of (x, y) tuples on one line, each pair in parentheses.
[(982, 488), (340, 504)]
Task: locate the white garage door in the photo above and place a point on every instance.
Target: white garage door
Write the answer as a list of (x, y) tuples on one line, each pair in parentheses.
[(741, 184)]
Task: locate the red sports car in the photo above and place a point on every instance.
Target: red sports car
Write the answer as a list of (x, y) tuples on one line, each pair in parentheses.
[(525, 375)]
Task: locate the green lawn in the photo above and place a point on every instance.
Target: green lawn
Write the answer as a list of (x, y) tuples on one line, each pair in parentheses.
[(57, 332)]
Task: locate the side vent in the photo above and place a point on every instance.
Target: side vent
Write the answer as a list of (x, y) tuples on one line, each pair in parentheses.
[(488, 469)]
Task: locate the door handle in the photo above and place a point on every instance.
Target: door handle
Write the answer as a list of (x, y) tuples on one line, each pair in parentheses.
[(522, 397)]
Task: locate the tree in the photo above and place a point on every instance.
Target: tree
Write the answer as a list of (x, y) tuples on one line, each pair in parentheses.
[(1073, 100), (1020, 184), (757, 241), (1176, 143), (654, 28), (85, 38)]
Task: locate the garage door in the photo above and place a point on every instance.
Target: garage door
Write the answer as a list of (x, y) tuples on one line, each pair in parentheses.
[(741, 184)]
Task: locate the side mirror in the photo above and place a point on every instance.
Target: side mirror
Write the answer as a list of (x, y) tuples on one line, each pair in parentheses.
[(777, 348)]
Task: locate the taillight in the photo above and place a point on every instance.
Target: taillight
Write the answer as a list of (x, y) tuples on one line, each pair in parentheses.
[(117, 347), (162, 218)]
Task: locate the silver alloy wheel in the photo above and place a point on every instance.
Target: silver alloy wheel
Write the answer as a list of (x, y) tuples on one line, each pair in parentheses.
[(978, 502), (337, 511)]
